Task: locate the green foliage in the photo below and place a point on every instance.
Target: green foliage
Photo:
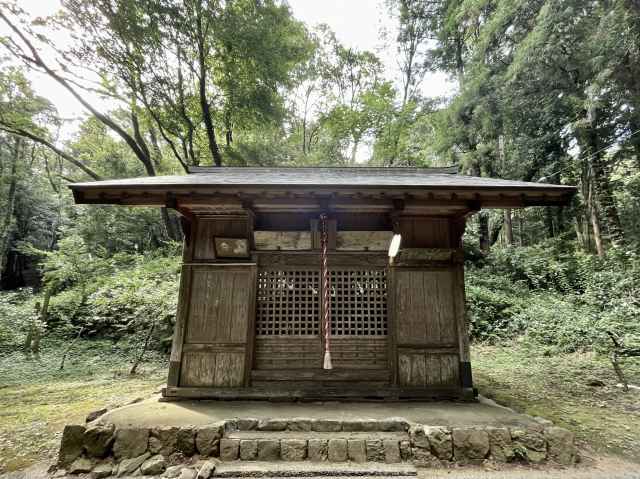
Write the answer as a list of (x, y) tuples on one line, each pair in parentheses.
[(17, 309), (555, 297), (107, 296)]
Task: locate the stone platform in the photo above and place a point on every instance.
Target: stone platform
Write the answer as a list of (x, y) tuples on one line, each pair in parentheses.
[(152, 413), (149, 437)]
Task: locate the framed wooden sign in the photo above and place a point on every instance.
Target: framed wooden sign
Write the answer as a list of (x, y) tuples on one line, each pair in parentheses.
[(231, 247)]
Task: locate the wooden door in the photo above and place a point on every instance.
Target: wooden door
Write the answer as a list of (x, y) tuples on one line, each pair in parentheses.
[(289, 315)]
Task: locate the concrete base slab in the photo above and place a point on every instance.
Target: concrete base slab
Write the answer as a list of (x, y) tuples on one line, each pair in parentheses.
[(288, 469), (154, 413)]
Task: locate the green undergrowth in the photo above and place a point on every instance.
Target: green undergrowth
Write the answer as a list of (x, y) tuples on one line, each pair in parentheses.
[(557, 386), (37, 399)]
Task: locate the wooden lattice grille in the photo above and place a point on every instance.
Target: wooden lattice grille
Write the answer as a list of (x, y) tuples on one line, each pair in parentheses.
[(288, 303), (359, 303)]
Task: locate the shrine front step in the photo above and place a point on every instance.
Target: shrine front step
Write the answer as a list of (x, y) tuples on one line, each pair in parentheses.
[(240, 469), (353, 447)]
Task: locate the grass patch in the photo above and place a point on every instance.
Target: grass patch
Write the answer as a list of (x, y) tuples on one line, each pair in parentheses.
[(555, 386), (37, 399)]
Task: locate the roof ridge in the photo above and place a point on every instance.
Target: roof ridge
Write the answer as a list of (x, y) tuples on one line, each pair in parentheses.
[(449, 170)]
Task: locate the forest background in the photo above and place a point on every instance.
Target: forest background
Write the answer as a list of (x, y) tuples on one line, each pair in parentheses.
[(543, 90)]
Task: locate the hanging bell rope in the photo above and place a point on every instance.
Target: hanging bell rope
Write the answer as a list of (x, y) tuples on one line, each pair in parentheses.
[(324, 240)]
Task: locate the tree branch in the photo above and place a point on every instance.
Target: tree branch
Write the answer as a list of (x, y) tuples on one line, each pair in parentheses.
[(31, 136)]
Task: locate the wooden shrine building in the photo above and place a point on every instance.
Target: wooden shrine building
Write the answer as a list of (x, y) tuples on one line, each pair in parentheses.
[(257, 309)]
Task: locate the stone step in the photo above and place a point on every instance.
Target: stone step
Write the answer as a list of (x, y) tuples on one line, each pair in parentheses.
[(319, 425), (398, 436), (309, 446), (238, 469)]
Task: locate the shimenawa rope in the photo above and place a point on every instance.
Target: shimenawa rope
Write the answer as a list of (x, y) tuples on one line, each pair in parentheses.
[(324, 239)]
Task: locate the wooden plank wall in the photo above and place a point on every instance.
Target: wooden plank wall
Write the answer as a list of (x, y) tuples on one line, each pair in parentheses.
[(217, 340), (212, 342), (425, 310)]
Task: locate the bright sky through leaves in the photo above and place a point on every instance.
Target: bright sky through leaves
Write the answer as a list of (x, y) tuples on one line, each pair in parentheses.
[(356, 23)]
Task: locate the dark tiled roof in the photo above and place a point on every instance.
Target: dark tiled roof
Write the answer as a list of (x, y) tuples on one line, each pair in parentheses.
[(324, 177)]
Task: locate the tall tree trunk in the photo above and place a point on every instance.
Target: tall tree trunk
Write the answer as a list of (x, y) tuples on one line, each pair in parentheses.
[(580, 234), (483, 230), (508, 227), (600, 176), (597, 234), (5, 233), (593, 218), (604, 193), (548, 221), (202, 87), (521, 228)]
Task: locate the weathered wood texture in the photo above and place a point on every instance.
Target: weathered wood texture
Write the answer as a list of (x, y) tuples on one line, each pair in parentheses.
[(423, 232), (363, 240), (282, 240), (207, 228), (421, 368), (425, 311), (425, 319), (288, 352), (217, 339)]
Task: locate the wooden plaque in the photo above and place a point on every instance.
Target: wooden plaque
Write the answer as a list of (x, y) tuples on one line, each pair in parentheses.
[(231, 247)]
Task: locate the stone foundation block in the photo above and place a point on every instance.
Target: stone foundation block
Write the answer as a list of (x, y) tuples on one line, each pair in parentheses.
[(470, 446), (530, 443), (130, 443), (419, 437), (163, 440), (393, 424), (326, 425), (153, 466), (249, 449), (186, 441), (391, 451), (500, 445), (293, 449), (422, 457), (337, 450), (128, 466), (360, 425), (268, 449), (300, 424), (247, 424), (317, 450), (272, 425), (375, 450), (102, 470), (356, 450), (98, 440), (560, 445), (405, 450), (208, 439), (440, 442), (71, 445), (229, 449), (81, 465)]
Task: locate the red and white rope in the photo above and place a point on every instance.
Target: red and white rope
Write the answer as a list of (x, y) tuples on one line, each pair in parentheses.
[(324, 240)]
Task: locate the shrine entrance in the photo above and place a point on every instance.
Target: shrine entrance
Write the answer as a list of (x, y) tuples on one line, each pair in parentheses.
[(289, 340)]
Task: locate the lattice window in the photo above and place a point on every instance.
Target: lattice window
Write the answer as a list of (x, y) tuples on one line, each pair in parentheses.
[(359, 302), (288, 303)]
